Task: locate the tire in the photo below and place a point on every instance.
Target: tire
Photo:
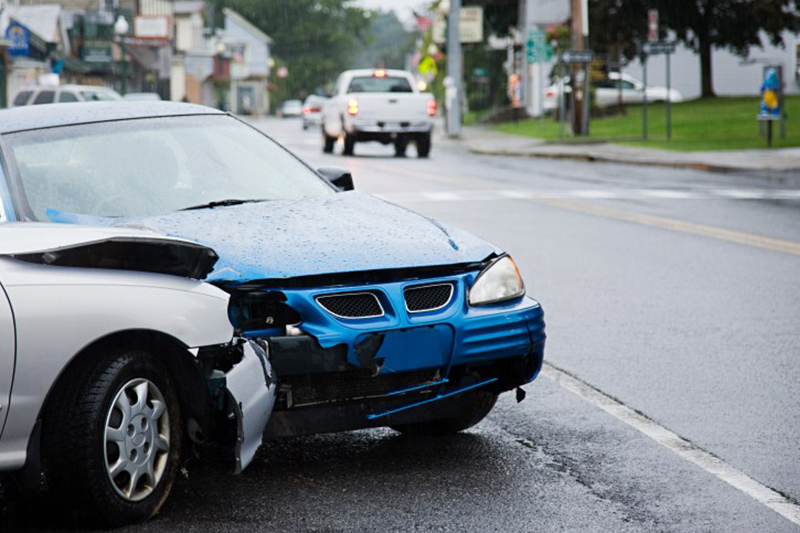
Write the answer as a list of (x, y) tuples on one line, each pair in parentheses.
[(424, 146), (112, 440), (349, 144), (305, 126), (400, 145), (470, 409), (328, 142)]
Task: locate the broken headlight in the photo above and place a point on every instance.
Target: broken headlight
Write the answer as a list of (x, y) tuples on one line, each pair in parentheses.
[(498, 282)]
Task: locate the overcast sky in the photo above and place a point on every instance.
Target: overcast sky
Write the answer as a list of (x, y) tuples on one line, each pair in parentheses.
[(401, 7)]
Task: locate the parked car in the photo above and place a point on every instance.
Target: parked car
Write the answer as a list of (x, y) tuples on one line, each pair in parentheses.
[(59, 94), (312, 111), (291, 108), (152, 97), (378, 105), (373, 315), (607, 92), (109, 347)]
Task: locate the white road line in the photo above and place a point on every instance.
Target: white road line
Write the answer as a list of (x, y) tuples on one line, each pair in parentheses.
[(677, 444), (442, 196), (469, 195)]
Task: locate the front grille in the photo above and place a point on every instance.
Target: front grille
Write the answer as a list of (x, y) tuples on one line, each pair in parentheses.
[(352, 305), (428, 297)]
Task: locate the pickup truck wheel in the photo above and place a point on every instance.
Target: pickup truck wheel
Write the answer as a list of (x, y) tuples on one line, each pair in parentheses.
[(328, 142), (469, 409), (112, 440), (349, 144), (400, 145), (424, 145)]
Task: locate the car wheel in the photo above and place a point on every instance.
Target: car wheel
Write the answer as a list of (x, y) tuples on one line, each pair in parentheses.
[(349, 144), (328, 142), (112, 442), (424, 145), (305, 126), (400, 145), (469, 409)]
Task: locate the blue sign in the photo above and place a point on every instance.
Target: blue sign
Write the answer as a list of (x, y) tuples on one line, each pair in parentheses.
[(771, 95), (20, 38)]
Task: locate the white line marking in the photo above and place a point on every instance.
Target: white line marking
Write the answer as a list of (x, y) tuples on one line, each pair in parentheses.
[(471, 195), (442, 196), (678, 445)]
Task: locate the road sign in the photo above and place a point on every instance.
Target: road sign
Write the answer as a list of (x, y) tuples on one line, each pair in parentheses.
[(470, 25), (652, 25), (577, 56), (657, 48), (537, 49)]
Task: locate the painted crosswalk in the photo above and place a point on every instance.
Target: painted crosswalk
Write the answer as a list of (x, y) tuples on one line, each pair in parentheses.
[(588, 194)]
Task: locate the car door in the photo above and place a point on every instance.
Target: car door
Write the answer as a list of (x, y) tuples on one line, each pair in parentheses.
[(7, 355)]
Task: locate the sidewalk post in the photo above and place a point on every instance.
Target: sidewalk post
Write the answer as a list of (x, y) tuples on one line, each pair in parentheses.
[(454, 68), (644, 96), (669, 102)]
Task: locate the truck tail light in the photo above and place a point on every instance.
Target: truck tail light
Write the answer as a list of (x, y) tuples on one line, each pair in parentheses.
[(306, 110), (432, 107), (352, 106), (380, 73)]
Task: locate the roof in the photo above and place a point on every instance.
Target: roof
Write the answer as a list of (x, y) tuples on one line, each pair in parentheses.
[(53, 115), (40, 19), (246, 25), (187, 7)]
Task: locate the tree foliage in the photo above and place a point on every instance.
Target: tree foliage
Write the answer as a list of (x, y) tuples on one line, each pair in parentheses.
[(389, 44), (735, 25), (315, 39)]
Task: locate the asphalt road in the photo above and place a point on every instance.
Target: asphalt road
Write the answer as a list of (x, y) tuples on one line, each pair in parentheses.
[(671, 295)]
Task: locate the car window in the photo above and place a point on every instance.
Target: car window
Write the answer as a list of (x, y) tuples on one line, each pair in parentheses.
[(152, 166), (44, 97), (372, 84), (22, 98), (625, 84), (98, 96), (67, 96)]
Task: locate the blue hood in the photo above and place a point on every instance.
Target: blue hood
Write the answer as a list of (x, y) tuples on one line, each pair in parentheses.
[(343, 232)]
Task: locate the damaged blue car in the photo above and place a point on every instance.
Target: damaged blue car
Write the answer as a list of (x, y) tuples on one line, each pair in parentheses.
[(371, 314)]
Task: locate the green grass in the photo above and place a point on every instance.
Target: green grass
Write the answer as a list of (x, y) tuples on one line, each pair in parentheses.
[(711, 124)]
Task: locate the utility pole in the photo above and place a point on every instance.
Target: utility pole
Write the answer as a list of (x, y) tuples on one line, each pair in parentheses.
[(453, 90), (579, 11)]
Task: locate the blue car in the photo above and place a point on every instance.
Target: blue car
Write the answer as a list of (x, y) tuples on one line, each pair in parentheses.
[(371, 314)]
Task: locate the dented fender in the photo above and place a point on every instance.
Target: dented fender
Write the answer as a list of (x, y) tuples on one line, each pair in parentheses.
[(252, 387)]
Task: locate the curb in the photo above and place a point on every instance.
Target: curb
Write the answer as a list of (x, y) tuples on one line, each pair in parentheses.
[(705, 167)]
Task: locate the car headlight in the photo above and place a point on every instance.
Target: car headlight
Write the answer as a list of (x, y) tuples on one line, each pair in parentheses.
[(499, 282)]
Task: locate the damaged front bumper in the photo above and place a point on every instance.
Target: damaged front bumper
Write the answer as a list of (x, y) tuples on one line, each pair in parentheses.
[(339, 374)]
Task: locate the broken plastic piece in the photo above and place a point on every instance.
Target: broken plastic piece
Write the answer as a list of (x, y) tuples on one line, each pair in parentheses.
[(521, 394)]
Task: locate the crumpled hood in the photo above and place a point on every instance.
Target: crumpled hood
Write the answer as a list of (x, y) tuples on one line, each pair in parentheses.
[(343, 232)]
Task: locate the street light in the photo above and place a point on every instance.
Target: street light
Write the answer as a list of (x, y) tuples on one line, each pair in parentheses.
[(121, 28)]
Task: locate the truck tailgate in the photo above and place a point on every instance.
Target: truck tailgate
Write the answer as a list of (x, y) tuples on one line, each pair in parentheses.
[(392, 107)]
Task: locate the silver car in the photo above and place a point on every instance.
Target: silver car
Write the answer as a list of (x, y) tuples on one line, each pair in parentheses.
[(113, 359)]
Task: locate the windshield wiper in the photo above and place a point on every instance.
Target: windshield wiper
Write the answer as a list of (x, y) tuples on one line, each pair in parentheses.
[(221, 203)]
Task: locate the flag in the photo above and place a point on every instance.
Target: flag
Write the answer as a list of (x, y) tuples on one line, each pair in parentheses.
[(423, 22)]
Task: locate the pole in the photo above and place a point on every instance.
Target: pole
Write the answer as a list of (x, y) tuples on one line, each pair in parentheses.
[(124, 84), (454, 69), (586, 101), (562, 112), (669, 101), (576, 10), (769, 133), (644, 97)]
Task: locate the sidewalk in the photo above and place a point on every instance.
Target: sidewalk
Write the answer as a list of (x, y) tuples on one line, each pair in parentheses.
[(481, 140)]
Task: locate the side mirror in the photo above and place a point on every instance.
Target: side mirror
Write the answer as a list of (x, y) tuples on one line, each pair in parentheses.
[(339, 177)]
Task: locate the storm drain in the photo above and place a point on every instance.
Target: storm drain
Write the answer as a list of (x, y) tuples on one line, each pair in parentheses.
[(352, 305), (423, 298)]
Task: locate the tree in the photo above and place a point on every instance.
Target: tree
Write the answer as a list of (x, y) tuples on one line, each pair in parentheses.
[(315, 39), (733, 24), (389, 43)]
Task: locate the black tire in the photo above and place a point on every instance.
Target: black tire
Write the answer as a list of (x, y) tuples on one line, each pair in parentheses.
[(328, 142), (349, 144), (400, 145), (79, 433), (424, 146), (470, 408), (305, 126)]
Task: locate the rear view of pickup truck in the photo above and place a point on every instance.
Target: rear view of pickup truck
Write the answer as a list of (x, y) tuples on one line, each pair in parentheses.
[(378, 105)]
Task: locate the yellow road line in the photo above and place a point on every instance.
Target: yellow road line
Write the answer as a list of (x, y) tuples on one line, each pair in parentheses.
[(748, 239)]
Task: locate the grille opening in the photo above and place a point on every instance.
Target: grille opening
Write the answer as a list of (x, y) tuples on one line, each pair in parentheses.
[(352, 305), (428, 297)]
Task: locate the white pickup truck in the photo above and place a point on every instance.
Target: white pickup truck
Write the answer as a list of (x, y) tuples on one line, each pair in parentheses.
[(378, 105)]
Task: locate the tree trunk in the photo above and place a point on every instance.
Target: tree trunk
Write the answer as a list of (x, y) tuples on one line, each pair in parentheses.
[(707, 81)]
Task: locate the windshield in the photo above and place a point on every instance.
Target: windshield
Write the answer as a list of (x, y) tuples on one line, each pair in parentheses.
[(371, 84), (151, 167)]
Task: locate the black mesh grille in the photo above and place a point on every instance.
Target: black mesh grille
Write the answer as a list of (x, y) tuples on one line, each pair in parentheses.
[(353, 305), (428, 297)]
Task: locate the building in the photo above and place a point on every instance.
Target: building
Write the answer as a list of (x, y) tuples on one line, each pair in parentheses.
[(249, 48)]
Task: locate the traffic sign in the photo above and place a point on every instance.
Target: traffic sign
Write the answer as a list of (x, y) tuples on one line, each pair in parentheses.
[(652, 25), (577, 56), (657, 48), (537, 49)]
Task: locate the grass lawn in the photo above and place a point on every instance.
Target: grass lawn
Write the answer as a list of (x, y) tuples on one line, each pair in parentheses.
[(711, 124)]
